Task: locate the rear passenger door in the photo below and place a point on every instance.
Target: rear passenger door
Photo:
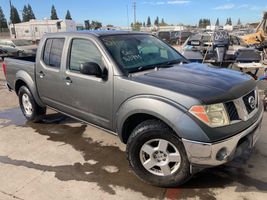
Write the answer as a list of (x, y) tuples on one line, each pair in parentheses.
[(48, 76)]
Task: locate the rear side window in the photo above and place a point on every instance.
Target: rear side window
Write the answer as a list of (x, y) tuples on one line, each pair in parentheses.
[(53, 52)]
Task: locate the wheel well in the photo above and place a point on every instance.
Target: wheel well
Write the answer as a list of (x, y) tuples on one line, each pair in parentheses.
[(18, 85), (131, 122)]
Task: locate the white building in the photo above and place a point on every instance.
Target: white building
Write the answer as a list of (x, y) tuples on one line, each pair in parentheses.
[(171, 28), (211, 27), (35, 29), (228, 27)]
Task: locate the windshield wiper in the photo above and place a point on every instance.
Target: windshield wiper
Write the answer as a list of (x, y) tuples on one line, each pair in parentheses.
[(166, 64)]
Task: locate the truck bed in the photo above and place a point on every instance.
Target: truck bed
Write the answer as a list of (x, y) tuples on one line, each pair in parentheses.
[(15, 65)]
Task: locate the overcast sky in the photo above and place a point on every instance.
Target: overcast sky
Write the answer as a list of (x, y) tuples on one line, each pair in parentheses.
[(173, 11)]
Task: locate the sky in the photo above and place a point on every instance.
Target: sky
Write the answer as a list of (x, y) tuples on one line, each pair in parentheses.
[(173, 11)]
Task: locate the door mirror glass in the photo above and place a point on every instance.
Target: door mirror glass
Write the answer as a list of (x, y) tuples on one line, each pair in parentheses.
[(91, 68)]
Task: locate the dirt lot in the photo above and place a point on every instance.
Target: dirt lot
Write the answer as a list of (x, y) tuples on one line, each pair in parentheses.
[(61, 158)]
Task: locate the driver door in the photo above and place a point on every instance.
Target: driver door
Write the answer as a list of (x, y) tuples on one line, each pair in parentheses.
[(87, 97)]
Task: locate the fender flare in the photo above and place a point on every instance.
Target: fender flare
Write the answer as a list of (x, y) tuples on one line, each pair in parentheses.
[(164, 109), (26, 78)]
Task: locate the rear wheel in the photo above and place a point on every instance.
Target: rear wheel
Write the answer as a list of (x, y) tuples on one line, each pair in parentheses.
[(157, 155), (31, 110)]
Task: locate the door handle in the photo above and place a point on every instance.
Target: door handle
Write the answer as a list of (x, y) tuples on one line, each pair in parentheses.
[(68, 81), (41, 74)]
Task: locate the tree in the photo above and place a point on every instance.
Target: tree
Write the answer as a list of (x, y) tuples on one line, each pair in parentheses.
[(30, 12), (27, 13), (200, 23), (87, 25), (14, 15), (53, 13), (137, 26), (163, 23), (95, 25), (203, 23), (156, 23), (148, 23), (217, 22), (3, 22), (68, 15), (239, 22), (230, 21), (144, 24)]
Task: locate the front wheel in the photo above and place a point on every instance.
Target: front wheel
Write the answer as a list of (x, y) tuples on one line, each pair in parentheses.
[(157, 156), (30, 109)]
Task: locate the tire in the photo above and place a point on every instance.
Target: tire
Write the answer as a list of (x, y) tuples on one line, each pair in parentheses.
[(30, 109), (153, 133)]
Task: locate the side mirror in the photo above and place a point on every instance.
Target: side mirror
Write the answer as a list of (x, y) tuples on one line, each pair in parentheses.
[(91, 68)]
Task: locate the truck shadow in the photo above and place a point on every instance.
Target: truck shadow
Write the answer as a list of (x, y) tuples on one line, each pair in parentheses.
[(110, 167)]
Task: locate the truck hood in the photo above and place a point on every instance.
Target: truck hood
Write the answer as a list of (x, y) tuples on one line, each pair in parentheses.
[(208, 84)]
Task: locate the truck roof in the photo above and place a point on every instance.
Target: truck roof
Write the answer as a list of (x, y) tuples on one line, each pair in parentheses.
[(97, 33)]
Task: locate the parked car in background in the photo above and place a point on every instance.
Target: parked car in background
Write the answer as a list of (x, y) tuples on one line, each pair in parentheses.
[(174, 37), (182, 36), (15, 47), (3, 53), (166, 37)]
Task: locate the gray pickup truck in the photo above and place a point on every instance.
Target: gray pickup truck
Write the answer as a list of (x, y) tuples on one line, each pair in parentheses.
[(176, 117)]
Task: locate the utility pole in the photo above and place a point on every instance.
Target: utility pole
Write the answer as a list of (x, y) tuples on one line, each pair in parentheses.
[(128, 25), (134, 7), (11, 12)]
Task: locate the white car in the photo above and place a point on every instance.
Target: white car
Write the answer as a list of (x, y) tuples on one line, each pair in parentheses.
[(18, 47)]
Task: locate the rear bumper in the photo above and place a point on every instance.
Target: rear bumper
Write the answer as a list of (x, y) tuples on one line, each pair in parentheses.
[(213, 154)]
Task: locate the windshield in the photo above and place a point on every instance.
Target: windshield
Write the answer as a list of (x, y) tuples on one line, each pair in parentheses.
[(22, 42), (140, 52)]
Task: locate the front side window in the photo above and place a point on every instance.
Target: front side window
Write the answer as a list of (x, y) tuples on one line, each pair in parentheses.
[(53, 52), (83, 51), (139, 52)]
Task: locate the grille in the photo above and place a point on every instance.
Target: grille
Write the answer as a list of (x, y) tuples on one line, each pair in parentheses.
[(232, 111), (240, 109), (246, 101)]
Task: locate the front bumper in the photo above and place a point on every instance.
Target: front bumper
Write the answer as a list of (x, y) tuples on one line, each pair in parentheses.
[(214, 154)]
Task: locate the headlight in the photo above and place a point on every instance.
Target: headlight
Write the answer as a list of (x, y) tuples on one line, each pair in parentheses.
[(213, 115)]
